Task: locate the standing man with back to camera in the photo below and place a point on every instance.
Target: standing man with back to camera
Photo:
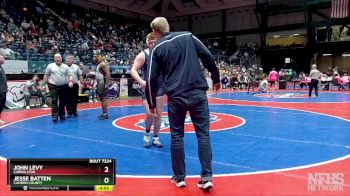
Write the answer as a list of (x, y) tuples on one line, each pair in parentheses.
[(73, 93), (175, 57), (315, 75)]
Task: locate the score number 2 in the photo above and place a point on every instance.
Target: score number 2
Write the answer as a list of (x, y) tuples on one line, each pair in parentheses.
[(106, 169)]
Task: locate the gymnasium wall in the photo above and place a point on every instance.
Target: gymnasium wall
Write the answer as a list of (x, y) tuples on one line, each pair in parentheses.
[(330, 61)]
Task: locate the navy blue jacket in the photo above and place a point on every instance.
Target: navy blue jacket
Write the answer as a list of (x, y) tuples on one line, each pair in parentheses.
[(175, 57)]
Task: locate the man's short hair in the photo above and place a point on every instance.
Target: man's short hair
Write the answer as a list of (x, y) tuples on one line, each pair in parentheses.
[(149, 37), (160, 24)]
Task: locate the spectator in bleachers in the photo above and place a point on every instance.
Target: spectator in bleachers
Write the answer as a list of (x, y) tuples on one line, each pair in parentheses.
[(3, 13), (224, 81), (90, 87), (234, 82), (84, 69), (113, 62), (76, 59), (340, 82), (110, 40), (302, 79), (3, 87), (345, 79), (9, 53), (35, 87)]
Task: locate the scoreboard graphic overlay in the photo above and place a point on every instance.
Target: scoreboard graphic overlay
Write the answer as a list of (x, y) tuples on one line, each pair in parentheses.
[(95, 174)]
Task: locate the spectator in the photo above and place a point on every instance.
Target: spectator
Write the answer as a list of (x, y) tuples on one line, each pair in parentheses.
[(90, 88), (302, 79), (273, 78), (76, 59), (35, 87), (113, 62), (10, 54), (263, 85)]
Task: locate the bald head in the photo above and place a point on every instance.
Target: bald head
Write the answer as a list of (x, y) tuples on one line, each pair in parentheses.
[(314, 66), (58, 59)]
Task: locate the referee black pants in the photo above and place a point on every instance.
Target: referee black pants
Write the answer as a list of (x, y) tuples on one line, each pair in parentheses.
[(313, 84), (59, 96), (73, 95)]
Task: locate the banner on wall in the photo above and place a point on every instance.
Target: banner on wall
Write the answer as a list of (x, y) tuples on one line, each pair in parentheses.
[(15, 95), (123, 88), (37, 66), (113, 89), (134, 88), (15, 66)]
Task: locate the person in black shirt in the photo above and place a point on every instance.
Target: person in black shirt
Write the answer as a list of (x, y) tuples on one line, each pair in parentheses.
[(3, 87), (175, 58)]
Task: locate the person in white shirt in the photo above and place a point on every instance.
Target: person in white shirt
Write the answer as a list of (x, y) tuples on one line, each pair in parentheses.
[(57, 76), (73, 93), (263, 85), (314, 75)]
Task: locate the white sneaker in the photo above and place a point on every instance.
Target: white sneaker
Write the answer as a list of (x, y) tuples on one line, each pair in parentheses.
[(157, 143), (2, 122), (147, 140), (90, 100), (95, 100), (45, 106), (205, 185), (178, 182), (27, 107)]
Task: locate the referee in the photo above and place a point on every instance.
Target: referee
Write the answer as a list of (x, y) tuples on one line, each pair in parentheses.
[(57, 76), (314, 75), (73, 93)]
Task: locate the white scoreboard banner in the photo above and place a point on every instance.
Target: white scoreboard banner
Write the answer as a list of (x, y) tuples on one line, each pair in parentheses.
[(15, 66), (15, 95), (123, 88)]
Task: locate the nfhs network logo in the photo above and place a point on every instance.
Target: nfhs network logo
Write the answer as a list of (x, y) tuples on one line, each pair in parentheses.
[(325, 182)]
